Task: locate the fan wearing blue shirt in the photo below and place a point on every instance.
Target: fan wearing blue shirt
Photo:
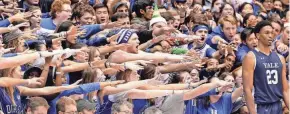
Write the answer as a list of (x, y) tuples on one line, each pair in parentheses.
[(200, 45), (224, 32), (249, 42), (282, 42), (60, 12), (221, 103)]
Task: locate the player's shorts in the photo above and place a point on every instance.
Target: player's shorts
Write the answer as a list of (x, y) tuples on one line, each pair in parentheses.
[(271, 108)]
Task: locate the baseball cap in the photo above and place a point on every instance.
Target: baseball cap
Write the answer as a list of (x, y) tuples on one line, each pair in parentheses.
[(85, 104), (12, 35), (33, 71), (118, 5)]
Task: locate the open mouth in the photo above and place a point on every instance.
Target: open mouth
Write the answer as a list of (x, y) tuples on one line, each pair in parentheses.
[(103, 20)]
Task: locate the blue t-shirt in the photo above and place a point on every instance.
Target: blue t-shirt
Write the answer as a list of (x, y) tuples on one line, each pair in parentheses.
[(140, 105), (105, 107), (243, 49), (6, 105), (223, 106), (82, 89), (47, 26), (191, 105)]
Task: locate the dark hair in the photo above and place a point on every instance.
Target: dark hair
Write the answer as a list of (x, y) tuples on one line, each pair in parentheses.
[(141, 5), (80, 9), (97, 6), (262, 1), (247, 16), (246, 33), (240, 9), (148, 72), (260, 25), (64, 26), (172, 2), (223, 6), (118, 15), (213, 1), (274, 13)]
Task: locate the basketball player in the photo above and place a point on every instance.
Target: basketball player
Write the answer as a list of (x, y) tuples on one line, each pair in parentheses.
[(265, 72)]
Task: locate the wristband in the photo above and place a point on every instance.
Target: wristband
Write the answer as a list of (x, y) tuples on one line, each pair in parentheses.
[(57, 73)]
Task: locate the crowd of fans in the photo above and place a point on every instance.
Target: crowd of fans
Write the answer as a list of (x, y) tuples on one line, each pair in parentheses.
[(131, 56)]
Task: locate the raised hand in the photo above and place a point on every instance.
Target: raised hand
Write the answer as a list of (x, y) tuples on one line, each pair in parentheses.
[(282, 48), (19, 17), (113, 38), (24, 24)]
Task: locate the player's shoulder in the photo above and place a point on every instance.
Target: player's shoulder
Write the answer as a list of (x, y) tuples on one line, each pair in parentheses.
[(249, 55)]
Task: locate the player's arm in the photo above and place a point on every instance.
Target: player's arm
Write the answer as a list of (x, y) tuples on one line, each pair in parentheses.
[(284, 82), (248, 76)]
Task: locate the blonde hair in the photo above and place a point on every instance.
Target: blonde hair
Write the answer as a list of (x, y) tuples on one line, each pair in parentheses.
[(63, 101), (10, 90), (228, 18)]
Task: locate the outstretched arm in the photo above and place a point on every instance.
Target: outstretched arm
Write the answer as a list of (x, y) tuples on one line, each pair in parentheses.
[(9, 82), (43, 91), (17, 60), (237, 93)]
